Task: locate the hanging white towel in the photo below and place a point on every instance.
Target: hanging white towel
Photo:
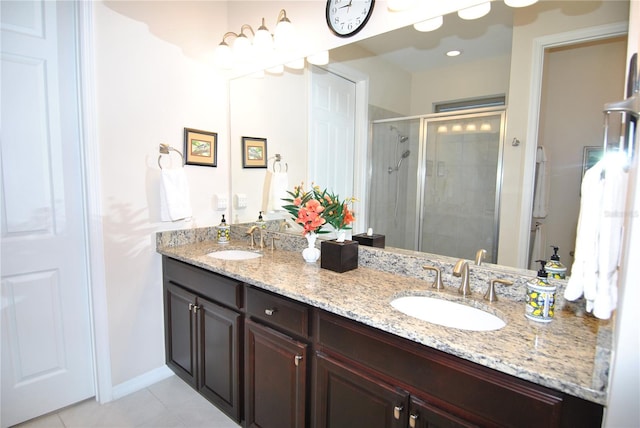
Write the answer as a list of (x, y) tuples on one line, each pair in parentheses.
[(175, 202), (539, 246), (599, 236), (274, 189), (540, 197)]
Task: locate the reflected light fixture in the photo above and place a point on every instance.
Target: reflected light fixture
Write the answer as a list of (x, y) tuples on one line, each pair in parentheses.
[(442, 129), (475, 12), (456, 128), (486, 126), (297, 64), (429, 25), (319, 58), (400, 5), (519, 3), (278, 69), (471, 127), (454, 52)]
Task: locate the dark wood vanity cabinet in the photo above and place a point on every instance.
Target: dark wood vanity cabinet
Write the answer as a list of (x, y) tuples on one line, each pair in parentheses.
[(364, 365), (202, 337), (272, 362), (276, 361)]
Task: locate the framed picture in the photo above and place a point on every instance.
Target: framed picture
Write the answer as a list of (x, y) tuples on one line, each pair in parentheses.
[(200, 147), (254, 152), (591, 155)]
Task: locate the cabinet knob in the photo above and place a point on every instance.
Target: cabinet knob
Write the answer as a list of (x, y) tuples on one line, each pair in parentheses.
[(191, 305), (396, 412), (270, 311), (412, 420), (297, 360)]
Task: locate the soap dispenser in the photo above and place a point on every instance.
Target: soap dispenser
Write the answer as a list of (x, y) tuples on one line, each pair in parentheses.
[(260, 222), (554, 268), (541, 297), (224, 231)]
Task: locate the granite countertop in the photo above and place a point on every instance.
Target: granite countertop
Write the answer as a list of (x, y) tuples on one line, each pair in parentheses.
[(570, 354)]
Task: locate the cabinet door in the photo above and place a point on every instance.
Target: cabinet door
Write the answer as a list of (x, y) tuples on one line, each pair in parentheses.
[(347, 398), (219, 356), (424, 415), (180, 337), (275, 375)]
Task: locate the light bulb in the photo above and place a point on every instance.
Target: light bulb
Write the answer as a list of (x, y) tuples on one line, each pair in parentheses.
[(320, 58), (475, 12), (519, 3), (263, 41), (285, 33), (429, 25), (241, 48), (297, 64), (223, 56)]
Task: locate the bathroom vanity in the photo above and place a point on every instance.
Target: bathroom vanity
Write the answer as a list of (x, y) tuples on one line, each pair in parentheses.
[(277, 342)]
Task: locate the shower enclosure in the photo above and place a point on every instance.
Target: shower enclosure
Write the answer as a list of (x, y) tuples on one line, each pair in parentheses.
[(435, 182)]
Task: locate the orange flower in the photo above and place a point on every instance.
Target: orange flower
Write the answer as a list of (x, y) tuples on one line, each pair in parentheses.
[(314, 206), (297, 202)]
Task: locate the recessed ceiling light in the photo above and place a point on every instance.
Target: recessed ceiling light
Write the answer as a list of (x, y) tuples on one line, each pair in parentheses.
[(454, 53)]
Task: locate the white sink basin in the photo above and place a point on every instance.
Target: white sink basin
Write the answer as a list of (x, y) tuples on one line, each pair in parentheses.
[(234, 255), (446, 313)]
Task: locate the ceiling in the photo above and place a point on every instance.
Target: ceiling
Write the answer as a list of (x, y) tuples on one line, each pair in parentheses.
[(414, 51)]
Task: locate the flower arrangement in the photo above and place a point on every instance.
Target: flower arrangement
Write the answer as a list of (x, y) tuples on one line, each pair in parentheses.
[(316, 208)]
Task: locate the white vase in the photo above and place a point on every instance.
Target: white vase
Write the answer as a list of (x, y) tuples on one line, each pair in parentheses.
[(340, 235), (311, 254)]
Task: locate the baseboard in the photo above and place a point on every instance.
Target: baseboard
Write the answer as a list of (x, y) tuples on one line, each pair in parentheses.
[(141, 382)]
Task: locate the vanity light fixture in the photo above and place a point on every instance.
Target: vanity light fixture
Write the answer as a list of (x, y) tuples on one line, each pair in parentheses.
[(471, 127), (486, 126), (475, 12), (400, 5), (454, 52), (519, 3), (297, 64), (456, 128), (319, 58), (240, 47), (442, 129), (429, 25)]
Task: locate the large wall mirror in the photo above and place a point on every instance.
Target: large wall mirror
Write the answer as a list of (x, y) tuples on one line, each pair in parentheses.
[(405, 75)]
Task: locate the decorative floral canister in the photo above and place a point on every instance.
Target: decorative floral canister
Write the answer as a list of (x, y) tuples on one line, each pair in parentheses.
[(541, 297)]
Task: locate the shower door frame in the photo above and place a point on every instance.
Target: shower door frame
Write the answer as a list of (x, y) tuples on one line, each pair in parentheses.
[(422, 165)]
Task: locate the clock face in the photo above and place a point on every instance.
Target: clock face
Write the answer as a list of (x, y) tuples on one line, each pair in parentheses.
[(346, 17)]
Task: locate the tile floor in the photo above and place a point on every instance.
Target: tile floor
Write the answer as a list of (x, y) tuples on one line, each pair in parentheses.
[(170, 403)]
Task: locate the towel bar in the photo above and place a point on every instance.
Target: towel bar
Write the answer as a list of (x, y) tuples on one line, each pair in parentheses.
[(277, 160), (164, 150)]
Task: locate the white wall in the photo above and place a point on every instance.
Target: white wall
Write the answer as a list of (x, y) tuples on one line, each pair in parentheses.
[(148, 90)]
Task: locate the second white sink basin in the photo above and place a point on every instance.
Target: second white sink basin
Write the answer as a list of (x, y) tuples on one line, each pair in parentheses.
[(234, 255), (446, 313)]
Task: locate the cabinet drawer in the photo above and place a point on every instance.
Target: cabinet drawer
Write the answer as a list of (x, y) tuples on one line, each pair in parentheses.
[(205, 283), (281, 312)]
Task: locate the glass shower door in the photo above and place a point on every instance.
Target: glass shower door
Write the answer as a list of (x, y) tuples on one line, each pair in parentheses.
[(463, 171)]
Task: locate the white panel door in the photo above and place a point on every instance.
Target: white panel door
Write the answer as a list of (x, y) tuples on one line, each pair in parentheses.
[(332, 132), (47, 358)]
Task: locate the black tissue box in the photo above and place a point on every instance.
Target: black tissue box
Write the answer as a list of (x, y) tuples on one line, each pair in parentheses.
[(370, 241), (339, 256)]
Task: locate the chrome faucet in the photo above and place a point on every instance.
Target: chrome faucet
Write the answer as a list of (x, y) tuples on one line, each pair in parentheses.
[(437, 282), (461, 269), (480, 256)]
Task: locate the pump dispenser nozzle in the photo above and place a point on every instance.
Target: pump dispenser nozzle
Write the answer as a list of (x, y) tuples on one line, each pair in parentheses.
[(542, 273), (555, 255)]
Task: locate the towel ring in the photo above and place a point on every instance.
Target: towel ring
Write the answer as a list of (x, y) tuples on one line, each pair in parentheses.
[(164, 150), (278, 158)]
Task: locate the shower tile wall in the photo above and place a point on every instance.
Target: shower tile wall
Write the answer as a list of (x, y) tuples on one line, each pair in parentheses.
[(459, 198)]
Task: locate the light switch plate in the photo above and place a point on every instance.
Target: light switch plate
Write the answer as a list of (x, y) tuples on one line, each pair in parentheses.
[(221, 202), (241, 200)]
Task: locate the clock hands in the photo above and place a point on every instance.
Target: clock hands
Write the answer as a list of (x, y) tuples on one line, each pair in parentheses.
[(346, 5)]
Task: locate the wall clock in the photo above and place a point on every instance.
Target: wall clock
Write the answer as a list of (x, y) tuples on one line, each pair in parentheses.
[(346, 17)]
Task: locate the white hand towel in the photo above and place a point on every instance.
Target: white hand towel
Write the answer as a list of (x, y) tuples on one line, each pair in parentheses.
[(540, 197), (175, 202), (539, 246), (279, 186)]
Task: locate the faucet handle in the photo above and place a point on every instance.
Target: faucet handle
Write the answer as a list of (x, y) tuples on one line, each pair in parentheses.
[(250, 233), (491, 295), (437, 282), (273, 242)]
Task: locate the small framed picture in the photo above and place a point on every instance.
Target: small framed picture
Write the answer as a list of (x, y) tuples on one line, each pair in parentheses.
[(591, 155), (200, 147), (254, 152)]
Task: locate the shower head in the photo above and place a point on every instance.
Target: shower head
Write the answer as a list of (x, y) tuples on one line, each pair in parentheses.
[(405, 155)]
